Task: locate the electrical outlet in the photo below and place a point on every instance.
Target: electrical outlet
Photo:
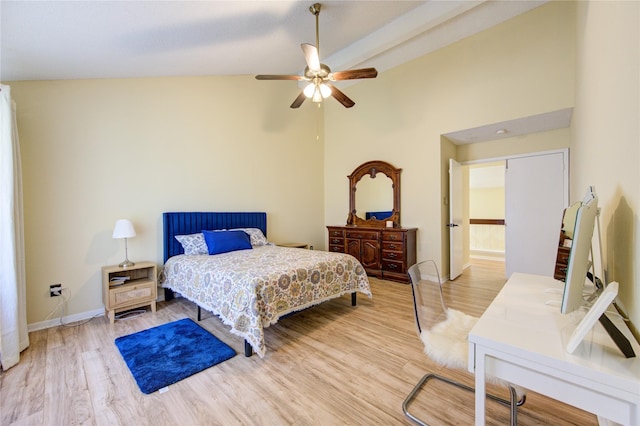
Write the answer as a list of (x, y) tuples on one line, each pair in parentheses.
[(55, 290)]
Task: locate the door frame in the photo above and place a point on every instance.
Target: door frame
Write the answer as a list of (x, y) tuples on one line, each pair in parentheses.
[(566, 190)]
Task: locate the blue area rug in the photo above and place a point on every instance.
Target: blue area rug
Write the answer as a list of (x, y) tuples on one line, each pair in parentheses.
[(166, 354)]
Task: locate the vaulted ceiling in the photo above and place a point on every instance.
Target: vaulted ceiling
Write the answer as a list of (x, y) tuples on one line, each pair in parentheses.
[(53, 40), (48, 40)]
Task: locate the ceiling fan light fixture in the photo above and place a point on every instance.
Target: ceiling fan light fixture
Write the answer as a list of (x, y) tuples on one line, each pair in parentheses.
[(318, 75), (317, 96), (310, 90), (325, 90)]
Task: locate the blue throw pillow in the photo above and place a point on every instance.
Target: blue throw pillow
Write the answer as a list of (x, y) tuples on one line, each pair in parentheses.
[(226, 241)]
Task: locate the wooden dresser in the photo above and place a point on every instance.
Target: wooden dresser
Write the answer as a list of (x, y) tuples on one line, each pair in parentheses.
[(385, 253)]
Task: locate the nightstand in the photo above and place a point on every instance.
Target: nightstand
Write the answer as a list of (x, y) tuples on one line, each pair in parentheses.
[(128, 288), (294, 245)]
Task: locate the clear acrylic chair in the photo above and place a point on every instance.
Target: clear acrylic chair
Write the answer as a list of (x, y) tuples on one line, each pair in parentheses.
[(444, 333)]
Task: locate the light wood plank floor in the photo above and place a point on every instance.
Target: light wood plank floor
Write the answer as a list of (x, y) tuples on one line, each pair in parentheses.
[(330, 365)]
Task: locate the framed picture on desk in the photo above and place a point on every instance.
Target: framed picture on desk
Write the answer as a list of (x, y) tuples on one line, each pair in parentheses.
[(592, 316), (597, 312)]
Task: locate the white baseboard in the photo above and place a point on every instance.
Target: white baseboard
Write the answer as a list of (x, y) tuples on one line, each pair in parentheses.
[(54, 322), (487, 255)]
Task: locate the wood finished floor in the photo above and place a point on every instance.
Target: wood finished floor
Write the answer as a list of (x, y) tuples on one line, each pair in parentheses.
[(330, 365)]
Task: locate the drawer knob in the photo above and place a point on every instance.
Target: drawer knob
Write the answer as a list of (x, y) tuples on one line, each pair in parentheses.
[(392, 255), (392, 246), (393, 266)]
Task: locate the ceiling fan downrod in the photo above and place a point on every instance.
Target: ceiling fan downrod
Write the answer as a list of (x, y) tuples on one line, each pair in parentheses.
[(315, 9)]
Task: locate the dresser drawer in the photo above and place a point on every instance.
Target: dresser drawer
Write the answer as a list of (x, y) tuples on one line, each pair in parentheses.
[(393, 245), (337, 249), (363, 235), (393, 266), (393, 255), (563, 255), (132, 293), (336, 241), (336, 233), (393, 236)]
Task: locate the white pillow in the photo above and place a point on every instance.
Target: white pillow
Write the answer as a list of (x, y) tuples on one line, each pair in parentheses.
[(193, 244), (256, 235)]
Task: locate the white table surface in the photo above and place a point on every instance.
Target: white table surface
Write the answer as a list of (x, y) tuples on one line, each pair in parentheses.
[(522, 338)]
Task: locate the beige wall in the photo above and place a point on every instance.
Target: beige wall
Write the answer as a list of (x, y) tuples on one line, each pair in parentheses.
[(605, 151), (522, 67), (94, 151), (486, 203)]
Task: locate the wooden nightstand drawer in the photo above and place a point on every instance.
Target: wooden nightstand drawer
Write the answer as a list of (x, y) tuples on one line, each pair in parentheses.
[(131, 294)]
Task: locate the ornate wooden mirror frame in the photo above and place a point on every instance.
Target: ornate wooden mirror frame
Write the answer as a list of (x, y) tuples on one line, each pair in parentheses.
[(372, 168)]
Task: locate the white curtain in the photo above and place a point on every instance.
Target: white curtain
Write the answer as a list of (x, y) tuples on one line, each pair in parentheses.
[(14, 336)]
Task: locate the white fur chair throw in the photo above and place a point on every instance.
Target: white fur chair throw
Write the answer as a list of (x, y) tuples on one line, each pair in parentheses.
[(447, 343)]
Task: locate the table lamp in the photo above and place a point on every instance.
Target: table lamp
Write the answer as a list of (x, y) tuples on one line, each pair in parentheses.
[(124, 229)]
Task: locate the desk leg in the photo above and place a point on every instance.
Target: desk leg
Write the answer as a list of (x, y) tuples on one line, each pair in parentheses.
[(480, 386)]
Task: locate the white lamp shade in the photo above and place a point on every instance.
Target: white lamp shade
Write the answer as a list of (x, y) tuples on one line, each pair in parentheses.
[(124, 229), (309, 90)]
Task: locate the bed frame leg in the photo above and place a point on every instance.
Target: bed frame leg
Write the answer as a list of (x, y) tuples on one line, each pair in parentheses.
[(168, 294), (248, 350), (353, 298)]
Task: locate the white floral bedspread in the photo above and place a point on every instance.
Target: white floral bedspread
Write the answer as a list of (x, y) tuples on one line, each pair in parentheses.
[(251, 289)]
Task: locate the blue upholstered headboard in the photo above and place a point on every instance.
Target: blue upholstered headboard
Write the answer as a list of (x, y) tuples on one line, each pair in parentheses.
[(182, 223)]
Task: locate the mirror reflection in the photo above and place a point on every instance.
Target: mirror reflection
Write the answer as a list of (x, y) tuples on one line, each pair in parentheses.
[(568, 224), (566, 240), (374, 197)]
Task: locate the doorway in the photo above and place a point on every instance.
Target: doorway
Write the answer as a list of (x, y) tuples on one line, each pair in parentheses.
[(522, 211)]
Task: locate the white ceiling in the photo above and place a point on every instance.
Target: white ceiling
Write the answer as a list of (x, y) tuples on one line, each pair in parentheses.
[(53, 40), (49, 40), (547, 121)]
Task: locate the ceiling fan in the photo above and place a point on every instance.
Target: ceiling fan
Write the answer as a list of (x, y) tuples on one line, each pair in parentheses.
[(320, 75)]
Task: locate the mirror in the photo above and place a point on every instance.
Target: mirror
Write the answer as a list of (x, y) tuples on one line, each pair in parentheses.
[(566, 241), (374, 195)]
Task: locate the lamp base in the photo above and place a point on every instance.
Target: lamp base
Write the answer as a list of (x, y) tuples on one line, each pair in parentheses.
[(126, 263)]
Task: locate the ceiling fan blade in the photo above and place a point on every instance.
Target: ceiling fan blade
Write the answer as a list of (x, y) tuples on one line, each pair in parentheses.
[(340, 96), (311, 56), (354, 74), (279, 77), (299, 100)]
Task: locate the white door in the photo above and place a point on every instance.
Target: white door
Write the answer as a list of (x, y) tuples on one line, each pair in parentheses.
[(455, 219), (536, 193)]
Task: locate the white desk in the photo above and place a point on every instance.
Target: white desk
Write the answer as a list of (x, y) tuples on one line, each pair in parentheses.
[(522, 340)]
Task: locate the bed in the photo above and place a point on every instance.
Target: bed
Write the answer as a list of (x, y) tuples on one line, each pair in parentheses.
[(251, 289)]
